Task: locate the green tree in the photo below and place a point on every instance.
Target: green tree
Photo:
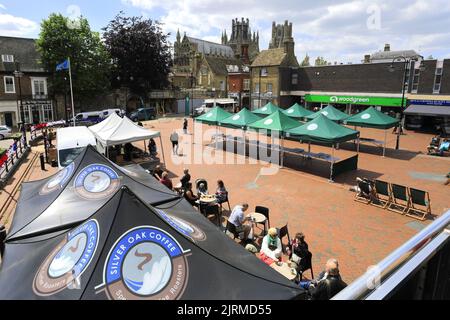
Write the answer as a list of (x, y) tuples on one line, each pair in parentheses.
[(305, 62), (320, 61), (141, 53), (61, 38)]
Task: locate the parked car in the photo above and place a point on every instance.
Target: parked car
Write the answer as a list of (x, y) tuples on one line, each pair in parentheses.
[(88, 118), (5, 132), (106, 113), (143, 114)]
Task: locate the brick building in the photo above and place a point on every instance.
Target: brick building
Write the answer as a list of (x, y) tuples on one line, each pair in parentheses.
[(23, 81)]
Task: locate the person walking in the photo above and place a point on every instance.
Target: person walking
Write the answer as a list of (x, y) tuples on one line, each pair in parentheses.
[(174, 138), (185, 126)]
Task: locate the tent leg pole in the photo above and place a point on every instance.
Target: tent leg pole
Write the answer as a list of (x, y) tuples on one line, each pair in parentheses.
[(359, 144), (162, 149), (332, 164), (385, 142), (282, 153)]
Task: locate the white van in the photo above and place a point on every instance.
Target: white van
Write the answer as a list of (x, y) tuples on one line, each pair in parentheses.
[(226, 104), (106, 113), (70, 142), (93, 117)]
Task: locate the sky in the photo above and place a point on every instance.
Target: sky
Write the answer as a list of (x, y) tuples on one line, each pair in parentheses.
[(339, 31)]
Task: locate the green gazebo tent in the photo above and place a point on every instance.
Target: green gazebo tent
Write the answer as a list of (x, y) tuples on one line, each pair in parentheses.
[(267, 110), (331, 113), (324, 130), (240, 120), (297, 112), (278, 122), (213, 117), (372, 118)]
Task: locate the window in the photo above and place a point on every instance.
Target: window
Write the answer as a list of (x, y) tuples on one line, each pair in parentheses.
[(295, 78), (416, 78), (9, 85), (437, 81), (257, 87), (48, 113), (222, 85), (264, 72), (269, 87), (246, 84), (39, 87), (7, 58)]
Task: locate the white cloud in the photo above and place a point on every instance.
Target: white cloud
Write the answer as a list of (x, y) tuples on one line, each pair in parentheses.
[(16, 26), (334, 29), (2, 6)]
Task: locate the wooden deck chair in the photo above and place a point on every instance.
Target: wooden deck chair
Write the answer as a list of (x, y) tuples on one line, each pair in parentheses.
[(419, 198), (383, 195), (400, 199)]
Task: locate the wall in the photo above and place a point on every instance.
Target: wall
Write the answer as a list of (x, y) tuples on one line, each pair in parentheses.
[(272, 77)]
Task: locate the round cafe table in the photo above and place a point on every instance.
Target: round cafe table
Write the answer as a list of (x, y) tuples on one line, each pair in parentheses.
[(208, 199), (285, 270), (258, 217)]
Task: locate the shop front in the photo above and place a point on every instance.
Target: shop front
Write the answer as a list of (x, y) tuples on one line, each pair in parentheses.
[(428, 113), (38, 111), (353, 104)]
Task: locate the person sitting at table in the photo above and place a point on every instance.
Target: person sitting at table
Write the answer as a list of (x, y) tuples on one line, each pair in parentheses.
[(445, 146), (238, 219), (221, 192), (165, 180), (202, 191), (153, 150), (158, 172), (189, 195), (328, 284), (271, 249), (297, 251), (185, 179)]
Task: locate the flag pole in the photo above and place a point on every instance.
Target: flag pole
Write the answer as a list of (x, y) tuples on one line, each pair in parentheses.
[(71, 91)]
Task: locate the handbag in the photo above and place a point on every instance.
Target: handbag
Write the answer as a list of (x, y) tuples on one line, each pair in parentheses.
[(295, 258)]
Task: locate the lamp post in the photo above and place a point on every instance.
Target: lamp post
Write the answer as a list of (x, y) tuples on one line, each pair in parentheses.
[(19, 74), (259, 88), (192, 80), (404, 84)]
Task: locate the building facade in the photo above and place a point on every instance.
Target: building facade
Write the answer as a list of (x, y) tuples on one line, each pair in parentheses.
[(23, 83), (244, 44), (271, 69)]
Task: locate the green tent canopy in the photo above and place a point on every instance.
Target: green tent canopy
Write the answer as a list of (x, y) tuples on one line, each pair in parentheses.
[(372, 118), (214, 116), (240, 120), (323, 130), (297, 111), (331, 113), (277, 121), (267, 110)]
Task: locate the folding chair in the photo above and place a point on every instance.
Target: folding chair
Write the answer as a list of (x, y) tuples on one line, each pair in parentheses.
[(420, 198), (400, 199), (225, 201), (231, 228), (214, 210), (365, 193), (265, 212), (383, 195), (284, 232)]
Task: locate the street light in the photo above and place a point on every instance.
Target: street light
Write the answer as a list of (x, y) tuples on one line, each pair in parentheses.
[(404, 84), (192, 79), (19, 74)]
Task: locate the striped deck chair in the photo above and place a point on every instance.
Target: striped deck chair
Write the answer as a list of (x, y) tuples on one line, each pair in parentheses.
[(419, 198), (383, 195), (400, 199)]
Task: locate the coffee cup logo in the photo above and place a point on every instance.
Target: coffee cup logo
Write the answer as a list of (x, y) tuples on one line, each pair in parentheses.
[(58, 181), (96, 181)]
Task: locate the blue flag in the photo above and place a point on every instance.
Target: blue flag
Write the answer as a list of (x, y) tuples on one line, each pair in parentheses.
[(63, 66)]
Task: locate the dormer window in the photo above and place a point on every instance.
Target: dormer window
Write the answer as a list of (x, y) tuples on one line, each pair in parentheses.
[(7, 58)]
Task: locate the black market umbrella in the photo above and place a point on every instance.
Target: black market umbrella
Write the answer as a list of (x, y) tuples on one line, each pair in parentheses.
[(71, 195), (130, 250)]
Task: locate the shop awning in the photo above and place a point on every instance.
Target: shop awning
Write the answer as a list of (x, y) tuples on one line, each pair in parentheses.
[(432, 111)]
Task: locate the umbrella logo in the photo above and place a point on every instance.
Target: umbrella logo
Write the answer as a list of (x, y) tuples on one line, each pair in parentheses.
[(96, 181), (313, 127), (236, 117), (264, 109), (68, 261), (325, 113), (268, 122), (366, 116), (209, 115), (291, 111), (145, 263), (58, 181), (188, 229)]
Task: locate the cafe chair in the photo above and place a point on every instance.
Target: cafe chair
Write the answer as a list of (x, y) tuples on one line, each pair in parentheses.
[(400, 199), (365, 192), (419, 198), (231, 228), (284, 232), (305, 265), (383, 194), (226, 200), (213, 210), (265, 212)]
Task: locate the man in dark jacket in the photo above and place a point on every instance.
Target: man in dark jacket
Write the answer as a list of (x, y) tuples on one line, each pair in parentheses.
[(328, 284)]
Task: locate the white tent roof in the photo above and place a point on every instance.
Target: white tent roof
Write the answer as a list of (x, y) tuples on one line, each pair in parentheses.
[(111, 122), (123, 132)]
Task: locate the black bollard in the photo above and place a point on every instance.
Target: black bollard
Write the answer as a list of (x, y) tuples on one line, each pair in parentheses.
[(41, 157), (2, 239)]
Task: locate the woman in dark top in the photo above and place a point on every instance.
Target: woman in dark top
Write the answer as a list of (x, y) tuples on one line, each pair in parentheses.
[(185, 179), (299, 247), (221, 193), (189, 195)]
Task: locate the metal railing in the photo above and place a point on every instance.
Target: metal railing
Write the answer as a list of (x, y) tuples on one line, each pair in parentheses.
[(416, 250), (13, 158)]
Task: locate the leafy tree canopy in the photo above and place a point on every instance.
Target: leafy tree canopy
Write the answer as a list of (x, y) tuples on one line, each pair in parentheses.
[(61, 38), (320, 61), (140, 52)]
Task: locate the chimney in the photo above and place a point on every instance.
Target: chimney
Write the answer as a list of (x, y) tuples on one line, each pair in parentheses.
[(387, 47), (367, 58)]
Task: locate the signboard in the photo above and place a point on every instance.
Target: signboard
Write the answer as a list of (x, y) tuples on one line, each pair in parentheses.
[(443, 103), (362, 100)]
